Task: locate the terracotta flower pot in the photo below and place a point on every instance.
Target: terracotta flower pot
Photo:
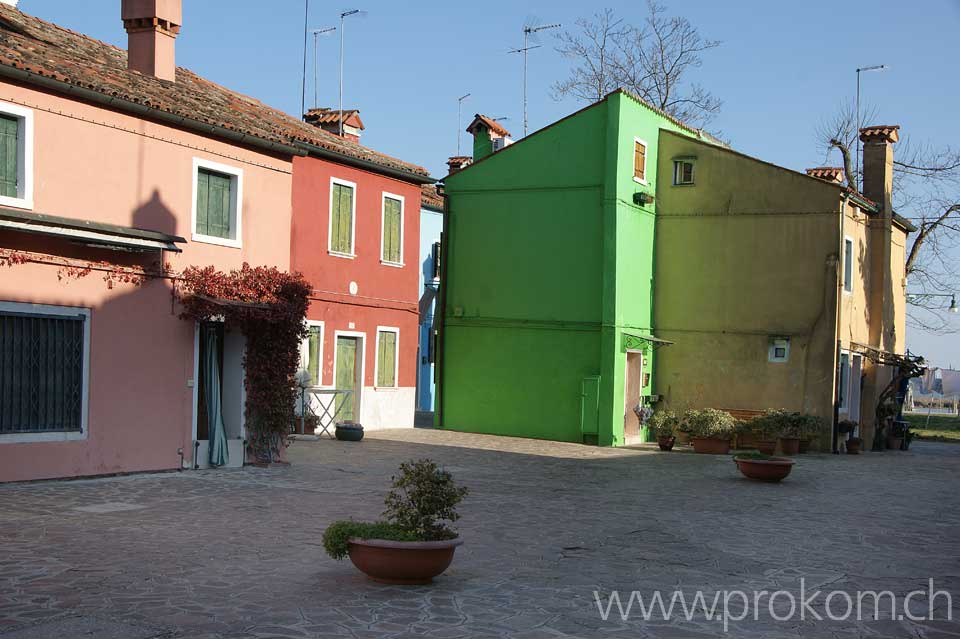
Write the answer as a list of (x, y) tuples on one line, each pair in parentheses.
[(746, 440), (766, 447), (773, 469), (804, 446), (402, 562), (894, 443), (853, 447), (711, 445), (666, 443), (790, 445)]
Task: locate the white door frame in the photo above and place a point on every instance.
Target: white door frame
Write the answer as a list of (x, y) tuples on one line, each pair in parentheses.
[(196, 393)]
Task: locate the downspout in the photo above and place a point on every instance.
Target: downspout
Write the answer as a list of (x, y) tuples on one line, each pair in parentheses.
[(440, 312), (838, 282), (147, 111)]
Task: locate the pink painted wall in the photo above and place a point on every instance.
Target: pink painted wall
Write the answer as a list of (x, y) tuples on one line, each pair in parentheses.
[(95, 164)]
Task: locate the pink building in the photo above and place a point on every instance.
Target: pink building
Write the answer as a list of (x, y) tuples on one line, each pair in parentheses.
[(108, 162)]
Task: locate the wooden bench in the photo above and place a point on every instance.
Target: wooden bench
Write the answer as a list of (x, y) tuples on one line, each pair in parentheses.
[(742, 415)]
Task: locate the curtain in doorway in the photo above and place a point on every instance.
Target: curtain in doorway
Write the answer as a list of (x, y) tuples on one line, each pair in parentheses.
[(218, 435)]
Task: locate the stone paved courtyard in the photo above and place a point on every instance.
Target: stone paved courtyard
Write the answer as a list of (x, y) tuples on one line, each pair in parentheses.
[(238, 554)]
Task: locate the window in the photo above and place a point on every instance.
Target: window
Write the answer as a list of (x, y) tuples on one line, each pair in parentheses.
[(779, 349), (311, 352), (843, 380), (16, 156), (387, 339), (343, 208), (391, 239), (44, 355), (847, 264), (217, 198), (639, 161), (682, 172)]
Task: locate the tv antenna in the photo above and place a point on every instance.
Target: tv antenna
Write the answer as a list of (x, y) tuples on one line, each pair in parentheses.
[(530, 31)]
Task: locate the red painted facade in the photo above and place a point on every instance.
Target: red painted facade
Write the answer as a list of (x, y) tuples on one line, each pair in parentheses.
[(385, 295)]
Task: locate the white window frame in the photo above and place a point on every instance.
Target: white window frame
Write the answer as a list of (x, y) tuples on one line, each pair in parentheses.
[(383, 219), (844, 392), (236, 203), (396, 358), (353, 220), (633, 156), (24, 198), (677, 175), (305, 352), (847, 240), (775, 343), (71, 311)]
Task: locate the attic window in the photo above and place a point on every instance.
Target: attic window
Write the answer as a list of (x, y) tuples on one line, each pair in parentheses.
[(639, 161), (682, 172)]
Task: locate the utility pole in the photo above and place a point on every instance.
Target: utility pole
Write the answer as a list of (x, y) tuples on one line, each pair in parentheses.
[(351, 12), (316, 59), (459, 119), (303, 85)]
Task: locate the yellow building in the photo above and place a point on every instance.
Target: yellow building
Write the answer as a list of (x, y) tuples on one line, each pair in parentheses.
[(777, 288)]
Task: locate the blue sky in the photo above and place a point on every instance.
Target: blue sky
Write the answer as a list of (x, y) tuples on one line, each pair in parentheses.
[(781, 69)]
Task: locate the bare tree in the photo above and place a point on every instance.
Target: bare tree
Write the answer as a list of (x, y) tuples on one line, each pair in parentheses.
[(926, 189), (652, 60)]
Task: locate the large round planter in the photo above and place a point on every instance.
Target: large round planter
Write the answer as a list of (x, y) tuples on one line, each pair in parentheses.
[(766, 447), (710, 446), (894, 443), (666, 443), (804, 446), (773, 469), (402, 562), (349, 432), (790, 445)]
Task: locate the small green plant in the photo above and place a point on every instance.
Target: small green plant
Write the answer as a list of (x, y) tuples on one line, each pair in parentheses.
[(420, 507), (663, 423), (770, 425), (753, 454), (708, 423)]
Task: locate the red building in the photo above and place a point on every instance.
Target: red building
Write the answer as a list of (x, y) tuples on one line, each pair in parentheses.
[(355, 236)]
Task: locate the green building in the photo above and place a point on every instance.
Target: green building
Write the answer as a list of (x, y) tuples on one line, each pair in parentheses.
[(546, 292)]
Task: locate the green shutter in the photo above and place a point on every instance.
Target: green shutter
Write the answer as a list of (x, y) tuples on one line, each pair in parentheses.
[(341, 228), (214, 210), (9, 154), (345, 377), (313, 355), (387, 359), (391, 230)]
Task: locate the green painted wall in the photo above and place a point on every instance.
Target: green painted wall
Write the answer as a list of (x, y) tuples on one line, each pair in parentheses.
[(548, 262)]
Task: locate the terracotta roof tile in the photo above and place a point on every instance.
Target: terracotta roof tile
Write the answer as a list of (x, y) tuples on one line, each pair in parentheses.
[(45, 49), (828, 173), (885, 132), (351, 117), (430, 198)]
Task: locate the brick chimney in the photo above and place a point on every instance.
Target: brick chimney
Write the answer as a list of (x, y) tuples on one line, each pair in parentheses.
[(152, 27), (488, 136), (878, 144), (329, 121), (833, 174), (458, 163)]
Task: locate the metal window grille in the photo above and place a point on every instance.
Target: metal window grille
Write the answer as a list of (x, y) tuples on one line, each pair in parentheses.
[(41, 373)]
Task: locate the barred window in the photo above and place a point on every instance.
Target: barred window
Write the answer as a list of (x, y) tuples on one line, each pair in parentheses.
[(42, 371)]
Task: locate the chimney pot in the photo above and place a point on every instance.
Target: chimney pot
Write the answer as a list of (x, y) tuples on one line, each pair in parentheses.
[(488, 136), (152, 27), (329, 120), (878, 144), (458, 163), (827, 173)]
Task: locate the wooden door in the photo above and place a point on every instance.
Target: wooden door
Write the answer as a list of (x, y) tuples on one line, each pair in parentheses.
[(346, 377), (632, 385)]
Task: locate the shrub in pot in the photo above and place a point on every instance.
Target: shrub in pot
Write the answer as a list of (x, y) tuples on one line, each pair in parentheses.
[(761, 467), (663, 425), (709, 430), (348, 431), (853, 445), (414, 542), (766, 428), (797, 428)]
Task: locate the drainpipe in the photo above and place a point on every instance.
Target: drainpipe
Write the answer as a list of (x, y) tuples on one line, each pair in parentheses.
[(441, 311), (838, 282)]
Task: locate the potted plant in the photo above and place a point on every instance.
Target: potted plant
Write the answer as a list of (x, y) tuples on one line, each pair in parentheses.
[(414, 542), (796, 426), (811, 428), (896, 436), (663, 424), (853, 445), (761, 467), (709, 430), (766, 428), (348, 431)]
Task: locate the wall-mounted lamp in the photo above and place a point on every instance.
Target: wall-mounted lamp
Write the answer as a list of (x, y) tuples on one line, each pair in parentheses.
[(642, 199)]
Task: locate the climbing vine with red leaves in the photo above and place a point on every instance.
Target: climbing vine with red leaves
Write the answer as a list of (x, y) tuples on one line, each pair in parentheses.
[(268, 306)]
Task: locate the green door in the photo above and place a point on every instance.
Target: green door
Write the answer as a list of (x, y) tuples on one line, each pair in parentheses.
[(346, 378)]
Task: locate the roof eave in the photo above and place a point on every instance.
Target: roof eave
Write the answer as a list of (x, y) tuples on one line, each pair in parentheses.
[(400, 174)]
